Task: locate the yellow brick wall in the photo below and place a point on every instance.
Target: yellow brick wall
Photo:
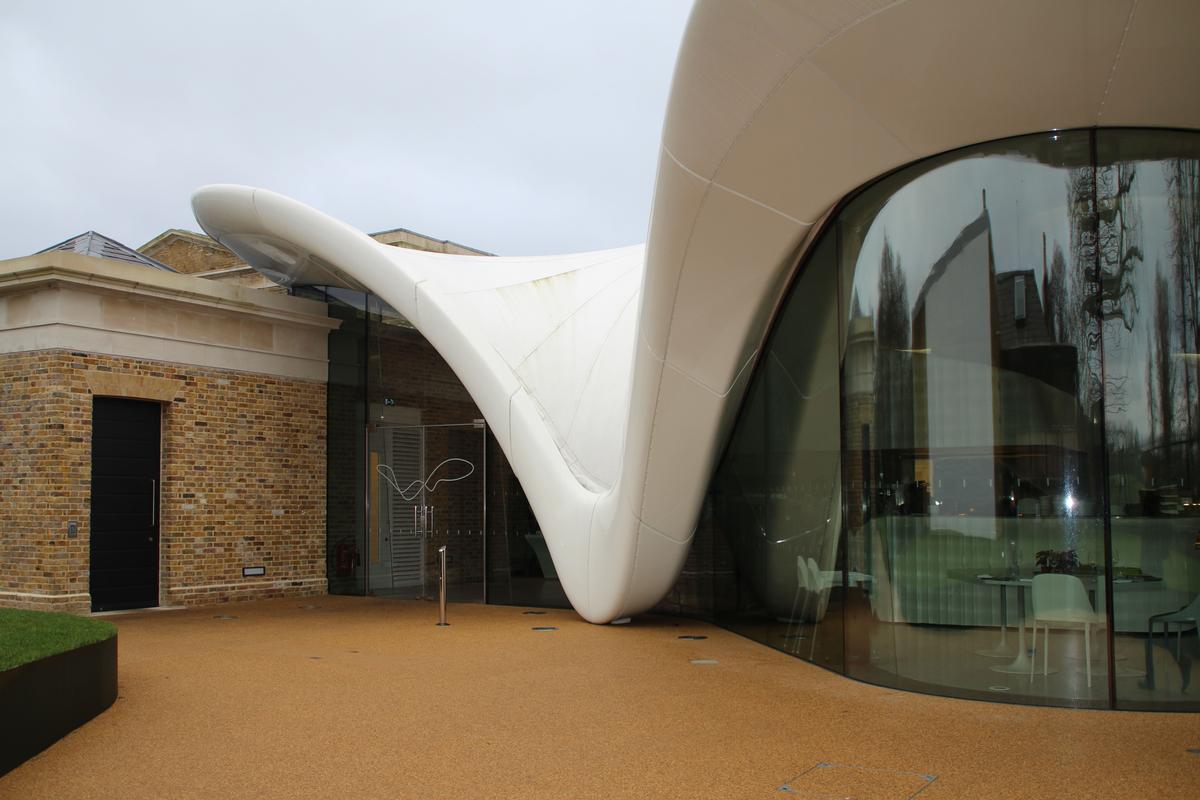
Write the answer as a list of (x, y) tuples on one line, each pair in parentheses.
[(44, 438), (191, 253), (187, 256), (243, 481)]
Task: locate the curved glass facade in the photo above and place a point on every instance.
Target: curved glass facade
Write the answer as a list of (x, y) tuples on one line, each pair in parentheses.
[(968, 460)]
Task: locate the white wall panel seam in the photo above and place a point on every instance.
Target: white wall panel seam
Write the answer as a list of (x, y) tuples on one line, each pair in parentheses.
[(509, 425), (644, 342), (641, 513), (761, 204), (587, 549), (1112, 73), (584, 476), (637, 552), (591, 368), (551, 276), (715, 392), (662, 533), (571, 315), (683, 261), (907, 148), (686, 168), (640, 503), (416, 304), (786, 74)]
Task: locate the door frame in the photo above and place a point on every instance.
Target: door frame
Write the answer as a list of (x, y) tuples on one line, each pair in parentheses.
[(156, 498), (385, 417)]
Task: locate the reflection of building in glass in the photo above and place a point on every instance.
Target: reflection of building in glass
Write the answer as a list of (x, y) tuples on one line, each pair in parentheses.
[(969, 462), (975, 415), (955, 386)]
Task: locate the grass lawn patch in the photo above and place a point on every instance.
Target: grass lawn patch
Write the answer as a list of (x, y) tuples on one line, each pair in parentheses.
[(30, 635)]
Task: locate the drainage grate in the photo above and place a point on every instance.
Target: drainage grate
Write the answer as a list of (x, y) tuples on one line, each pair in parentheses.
[(692, 637), (224, 616), (704, 662), (545, 628), (533, 613), (825, 779)]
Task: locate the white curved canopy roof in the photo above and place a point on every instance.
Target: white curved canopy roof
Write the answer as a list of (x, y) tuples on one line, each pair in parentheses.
[(610, 379)]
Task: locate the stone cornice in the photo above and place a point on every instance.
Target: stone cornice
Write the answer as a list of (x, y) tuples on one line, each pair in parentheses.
[(47, 269)]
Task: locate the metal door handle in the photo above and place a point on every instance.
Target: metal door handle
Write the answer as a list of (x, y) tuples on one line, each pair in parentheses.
[(432, 524)]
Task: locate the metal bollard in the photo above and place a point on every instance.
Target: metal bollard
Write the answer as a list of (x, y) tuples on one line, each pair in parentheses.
[(442, 590)]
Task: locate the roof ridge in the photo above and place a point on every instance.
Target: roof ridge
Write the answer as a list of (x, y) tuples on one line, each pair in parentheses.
[(97, 245)]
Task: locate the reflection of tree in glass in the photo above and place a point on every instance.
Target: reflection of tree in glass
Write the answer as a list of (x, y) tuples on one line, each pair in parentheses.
[(1162, 383), (893, 366), (1106, 248), (1119, 244), (1183, 204), (1055, 292)]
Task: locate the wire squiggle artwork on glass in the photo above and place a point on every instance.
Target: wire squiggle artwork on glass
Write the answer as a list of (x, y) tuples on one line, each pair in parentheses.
[(390, 477)]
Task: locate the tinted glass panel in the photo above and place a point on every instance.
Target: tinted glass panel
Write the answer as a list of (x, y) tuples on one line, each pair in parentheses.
[(346, 545), (1148, 191), (971, 384), (967, 462), (776, 498), (410, 469)]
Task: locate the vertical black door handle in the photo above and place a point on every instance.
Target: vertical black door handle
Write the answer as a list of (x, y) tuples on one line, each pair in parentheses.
[(153, 501)]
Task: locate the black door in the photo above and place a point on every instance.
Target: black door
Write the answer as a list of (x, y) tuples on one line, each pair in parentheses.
[(124, 530)]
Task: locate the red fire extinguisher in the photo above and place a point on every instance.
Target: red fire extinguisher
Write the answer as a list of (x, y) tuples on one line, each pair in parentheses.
[(345, 558)]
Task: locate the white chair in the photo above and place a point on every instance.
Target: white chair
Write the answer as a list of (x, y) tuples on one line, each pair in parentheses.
[(822, 584), (804, 591), (1061, 601), (812, 592)]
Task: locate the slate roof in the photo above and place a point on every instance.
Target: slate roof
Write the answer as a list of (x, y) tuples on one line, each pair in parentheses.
[(99, 245)]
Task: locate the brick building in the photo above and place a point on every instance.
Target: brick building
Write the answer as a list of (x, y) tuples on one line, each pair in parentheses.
[(234, 375)]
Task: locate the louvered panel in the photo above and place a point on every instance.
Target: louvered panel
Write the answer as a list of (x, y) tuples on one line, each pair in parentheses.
[(405, 454)]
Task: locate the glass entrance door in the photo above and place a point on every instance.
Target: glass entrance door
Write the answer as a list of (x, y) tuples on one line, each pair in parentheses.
[(426, 489)]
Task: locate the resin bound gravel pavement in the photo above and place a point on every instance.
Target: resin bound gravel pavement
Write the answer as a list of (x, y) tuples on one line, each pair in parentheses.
[(336, 697)]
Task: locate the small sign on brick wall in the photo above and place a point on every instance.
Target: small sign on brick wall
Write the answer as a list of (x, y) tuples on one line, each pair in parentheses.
[(250, 572)]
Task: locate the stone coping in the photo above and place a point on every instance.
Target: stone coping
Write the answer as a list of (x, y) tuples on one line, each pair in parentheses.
[(22, 274)]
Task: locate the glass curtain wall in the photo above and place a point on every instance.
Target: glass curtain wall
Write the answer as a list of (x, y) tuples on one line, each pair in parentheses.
[(1147, 253), (967, 461), (412, 467), (468, 498), (425, 470), (346, 545)]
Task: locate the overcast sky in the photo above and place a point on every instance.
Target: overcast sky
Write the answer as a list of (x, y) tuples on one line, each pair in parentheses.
[(518, 127)]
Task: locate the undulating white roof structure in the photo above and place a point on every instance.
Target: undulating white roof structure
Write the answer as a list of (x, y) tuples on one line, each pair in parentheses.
[(610, 379)]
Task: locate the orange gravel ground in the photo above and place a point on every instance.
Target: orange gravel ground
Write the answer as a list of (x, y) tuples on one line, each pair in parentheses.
[(366, 698)]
